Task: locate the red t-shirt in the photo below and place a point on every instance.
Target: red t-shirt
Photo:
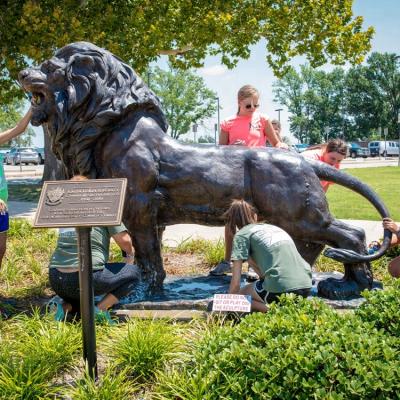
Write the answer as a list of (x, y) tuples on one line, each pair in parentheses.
[(318, 154), (250, 129)]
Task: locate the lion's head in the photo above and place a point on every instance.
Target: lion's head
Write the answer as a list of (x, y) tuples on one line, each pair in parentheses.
[(78, 94)]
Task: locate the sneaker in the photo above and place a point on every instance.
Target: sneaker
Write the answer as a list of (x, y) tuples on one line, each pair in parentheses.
[(374, 247), (221, 269), (252, 275), (55, 307), (103, 317)]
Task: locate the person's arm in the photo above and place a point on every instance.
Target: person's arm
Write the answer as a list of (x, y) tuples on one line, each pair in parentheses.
[(273, 137), (17, 130), (388, 223), (234, 286), (124, 241), (223, 137)]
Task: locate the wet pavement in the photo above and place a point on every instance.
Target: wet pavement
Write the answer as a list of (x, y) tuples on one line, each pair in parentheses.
[(195, 292)]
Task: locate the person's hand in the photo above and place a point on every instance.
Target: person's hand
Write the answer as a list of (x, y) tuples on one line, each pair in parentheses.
[(282, 145), (388, 223), (129, 259), (3, 207), (239, 142)]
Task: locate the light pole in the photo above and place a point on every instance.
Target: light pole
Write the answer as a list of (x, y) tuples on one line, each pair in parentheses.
[(148, 77), (279, 113), (398, 123), (217, 127), (327, 134), (194, 128)]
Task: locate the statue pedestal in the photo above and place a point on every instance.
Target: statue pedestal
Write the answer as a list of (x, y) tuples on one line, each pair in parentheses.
[(195, 292)]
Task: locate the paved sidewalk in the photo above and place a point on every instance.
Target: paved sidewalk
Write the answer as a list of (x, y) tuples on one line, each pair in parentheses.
[(175, 234)]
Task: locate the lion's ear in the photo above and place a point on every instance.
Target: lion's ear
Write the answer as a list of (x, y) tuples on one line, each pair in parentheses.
[(79, 69)]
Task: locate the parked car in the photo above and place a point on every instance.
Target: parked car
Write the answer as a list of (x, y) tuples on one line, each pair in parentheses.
[(355, 150), (384, 148), (300, 147), (40, 150), (3, 153), (22, 155)]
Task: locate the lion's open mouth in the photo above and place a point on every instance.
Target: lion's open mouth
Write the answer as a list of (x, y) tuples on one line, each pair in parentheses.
[(38, 101), (37, 98)]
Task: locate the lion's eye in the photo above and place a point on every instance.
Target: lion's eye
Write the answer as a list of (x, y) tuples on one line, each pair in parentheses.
[(48, 67)]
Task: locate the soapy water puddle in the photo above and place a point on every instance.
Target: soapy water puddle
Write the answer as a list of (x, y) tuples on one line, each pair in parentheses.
[(201, 287)]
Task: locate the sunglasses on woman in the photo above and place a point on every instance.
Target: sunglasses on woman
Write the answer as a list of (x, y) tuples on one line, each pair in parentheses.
[(248, 106)]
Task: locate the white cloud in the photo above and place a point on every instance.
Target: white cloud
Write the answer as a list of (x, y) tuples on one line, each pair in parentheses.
[(214, 70)]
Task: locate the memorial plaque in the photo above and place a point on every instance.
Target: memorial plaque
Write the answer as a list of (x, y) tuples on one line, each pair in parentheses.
[(92, 202), (232, 302)]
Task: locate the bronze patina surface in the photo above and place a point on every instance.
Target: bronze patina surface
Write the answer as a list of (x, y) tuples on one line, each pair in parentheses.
[(104, 122)]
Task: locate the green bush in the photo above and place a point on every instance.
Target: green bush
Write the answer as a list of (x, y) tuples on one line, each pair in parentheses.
[(33, 351), (25, 268), (111, 385), (145, 348), (299, 350), (212, 251), (393, 252), (382, 309)]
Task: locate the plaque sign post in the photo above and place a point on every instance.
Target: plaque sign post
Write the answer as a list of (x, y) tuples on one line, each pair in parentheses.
[(83, 204)]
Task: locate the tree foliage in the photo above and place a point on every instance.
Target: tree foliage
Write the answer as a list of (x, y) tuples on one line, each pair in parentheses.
[(315, 100), (349, 104), (185, 98), (139, 31), (373, 93), (10, 114)]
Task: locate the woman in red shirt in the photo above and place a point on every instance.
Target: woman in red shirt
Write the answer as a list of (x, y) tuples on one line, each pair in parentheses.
[(247, 128)]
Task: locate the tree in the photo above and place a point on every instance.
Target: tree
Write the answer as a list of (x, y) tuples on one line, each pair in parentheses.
[(185, 98), (315, 100), (10, 114), (373, 94), (139, 31), (317, 103)]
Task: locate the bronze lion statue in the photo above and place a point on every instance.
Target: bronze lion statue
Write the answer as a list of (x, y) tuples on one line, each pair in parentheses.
[(104, 122)]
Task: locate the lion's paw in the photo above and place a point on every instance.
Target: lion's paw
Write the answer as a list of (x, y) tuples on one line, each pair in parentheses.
[(338, 289)]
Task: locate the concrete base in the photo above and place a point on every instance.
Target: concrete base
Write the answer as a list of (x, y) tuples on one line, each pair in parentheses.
[(177, 315)]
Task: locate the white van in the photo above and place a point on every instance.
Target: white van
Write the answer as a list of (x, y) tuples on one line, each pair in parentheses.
[(383, 148)]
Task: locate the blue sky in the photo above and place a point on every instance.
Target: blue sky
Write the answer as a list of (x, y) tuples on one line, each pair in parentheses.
[(383, 15)]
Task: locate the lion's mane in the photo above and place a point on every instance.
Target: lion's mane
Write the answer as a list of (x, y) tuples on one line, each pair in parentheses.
[(100, 89)]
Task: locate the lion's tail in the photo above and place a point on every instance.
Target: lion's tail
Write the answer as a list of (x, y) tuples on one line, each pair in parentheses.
[(328, 173)]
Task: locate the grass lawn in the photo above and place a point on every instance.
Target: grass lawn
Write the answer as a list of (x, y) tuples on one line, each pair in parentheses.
[(21, 192), (347, 204)]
